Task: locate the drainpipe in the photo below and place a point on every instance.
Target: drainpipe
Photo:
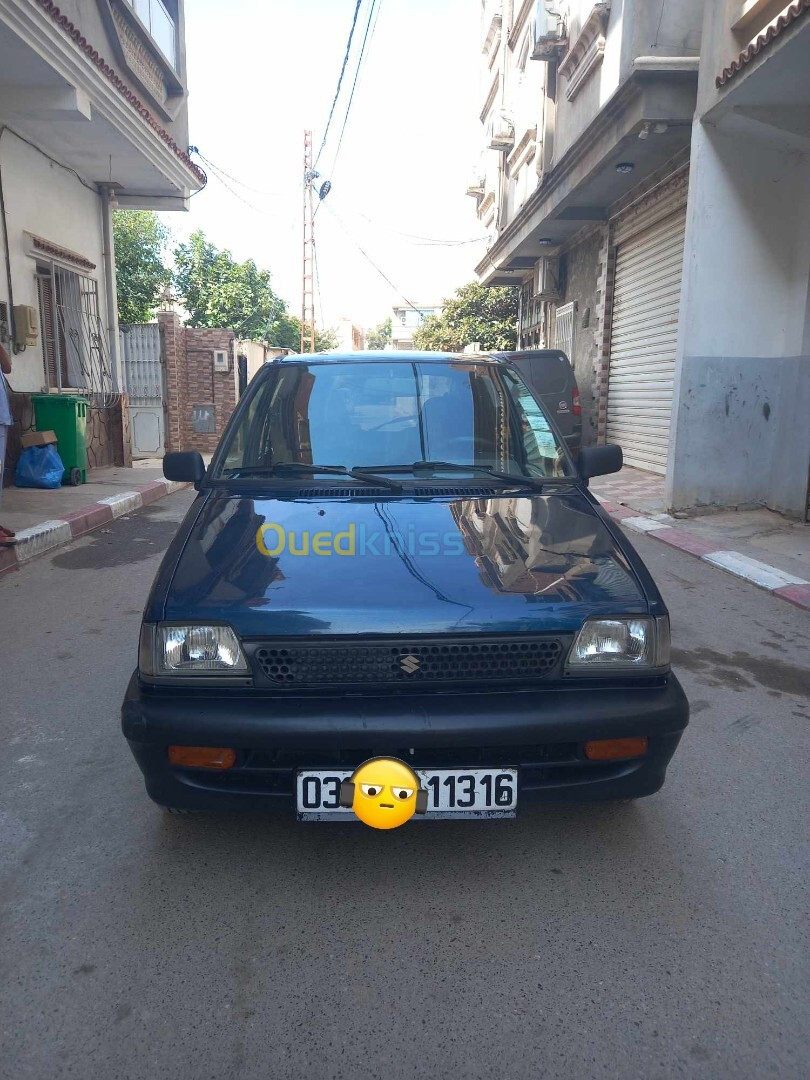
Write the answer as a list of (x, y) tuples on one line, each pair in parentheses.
[(106, 192), (506, 29), (4, 222)]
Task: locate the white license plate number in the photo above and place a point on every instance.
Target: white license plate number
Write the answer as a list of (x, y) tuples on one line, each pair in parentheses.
[(452, 793)]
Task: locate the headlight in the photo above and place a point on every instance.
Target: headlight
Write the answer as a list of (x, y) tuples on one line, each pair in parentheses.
[(621, 643), (190, 650)]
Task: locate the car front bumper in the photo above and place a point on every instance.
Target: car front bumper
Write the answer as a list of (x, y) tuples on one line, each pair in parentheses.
[(539, 732)]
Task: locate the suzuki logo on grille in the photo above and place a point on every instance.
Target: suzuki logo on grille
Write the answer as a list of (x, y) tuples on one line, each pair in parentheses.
[(410, 664)]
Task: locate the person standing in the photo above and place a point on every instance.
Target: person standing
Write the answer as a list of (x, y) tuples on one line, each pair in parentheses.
[(7, 537)]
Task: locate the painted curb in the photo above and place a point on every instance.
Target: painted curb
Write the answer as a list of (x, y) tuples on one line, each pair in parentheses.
[(767, 577), (124, 503), (780, 583), (48, 535), (799, 595), (41, 538), (645, 524)]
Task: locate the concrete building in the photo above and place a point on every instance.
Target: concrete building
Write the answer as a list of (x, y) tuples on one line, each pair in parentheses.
[(644, 181), (587, 110), (350, 336), (92, 114), (251, 356), (741, 417), (406, 319)]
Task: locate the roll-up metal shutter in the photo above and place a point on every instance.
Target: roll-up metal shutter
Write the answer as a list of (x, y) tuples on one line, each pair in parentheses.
[(642, 343)]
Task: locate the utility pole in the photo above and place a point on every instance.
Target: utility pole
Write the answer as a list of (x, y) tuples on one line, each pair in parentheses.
[(308, 291)]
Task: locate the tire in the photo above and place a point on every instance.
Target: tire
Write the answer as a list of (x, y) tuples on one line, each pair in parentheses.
[(75, 477)]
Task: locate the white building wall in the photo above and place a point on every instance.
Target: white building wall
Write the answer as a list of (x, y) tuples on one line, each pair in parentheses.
[(256, 353), (43, 198), (742, 384)]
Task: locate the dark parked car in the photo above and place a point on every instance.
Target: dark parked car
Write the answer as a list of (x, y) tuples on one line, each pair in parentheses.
[(550, 377), (396, 554)]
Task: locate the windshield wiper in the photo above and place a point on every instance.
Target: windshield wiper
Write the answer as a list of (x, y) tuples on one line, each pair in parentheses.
[(280, 467), (454, 466)]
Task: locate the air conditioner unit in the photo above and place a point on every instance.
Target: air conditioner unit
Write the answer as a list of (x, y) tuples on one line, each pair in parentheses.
[(547, 278), (501, 133), (549, 31), (475, 188)]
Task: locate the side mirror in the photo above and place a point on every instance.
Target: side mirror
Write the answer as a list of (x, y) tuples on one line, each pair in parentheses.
[(599, 460), (186, 466)]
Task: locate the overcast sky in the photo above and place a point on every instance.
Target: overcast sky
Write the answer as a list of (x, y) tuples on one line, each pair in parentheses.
[(261, 71)]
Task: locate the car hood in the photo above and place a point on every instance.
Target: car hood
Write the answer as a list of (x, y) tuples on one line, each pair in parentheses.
[(268, 566)]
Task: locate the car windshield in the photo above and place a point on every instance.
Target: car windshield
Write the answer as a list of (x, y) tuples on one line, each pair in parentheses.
[(360, 414)]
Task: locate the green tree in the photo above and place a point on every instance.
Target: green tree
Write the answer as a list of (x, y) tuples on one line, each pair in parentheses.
[(140, 240), (488, 316), (325, 340), (285, 333), (380, 336), (218, 291)]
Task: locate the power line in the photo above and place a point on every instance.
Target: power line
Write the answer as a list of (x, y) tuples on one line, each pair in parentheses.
[(340, 79), (241, 183), (228, 187), (374, 5), (215, 171), (427, 241), (369, 259)]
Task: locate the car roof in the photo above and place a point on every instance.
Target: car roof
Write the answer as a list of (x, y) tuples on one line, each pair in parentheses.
[(528, 354), (391, 356)]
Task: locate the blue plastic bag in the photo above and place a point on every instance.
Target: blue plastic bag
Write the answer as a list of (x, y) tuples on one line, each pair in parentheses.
[(39, 467)]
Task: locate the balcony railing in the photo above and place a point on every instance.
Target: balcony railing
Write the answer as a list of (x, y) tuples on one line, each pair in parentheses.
[(160, 25)]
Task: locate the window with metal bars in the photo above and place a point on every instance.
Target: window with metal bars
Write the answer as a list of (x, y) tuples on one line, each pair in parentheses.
[(74, 338)]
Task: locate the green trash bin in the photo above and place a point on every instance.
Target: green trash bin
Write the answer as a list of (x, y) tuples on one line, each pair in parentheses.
[(66, 416)]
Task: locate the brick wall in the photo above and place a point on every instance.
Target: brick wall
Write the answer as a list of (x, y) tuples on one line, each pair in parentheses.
[(196, 396)]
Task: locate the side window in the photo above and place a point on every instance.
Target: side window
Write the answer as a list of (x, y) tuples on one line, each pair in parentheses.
[(540, 445)]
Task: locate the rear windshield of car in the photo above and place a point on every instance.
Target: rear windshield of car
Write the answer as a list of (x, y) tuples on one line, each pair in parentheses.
[(378, 413), (548, 373)]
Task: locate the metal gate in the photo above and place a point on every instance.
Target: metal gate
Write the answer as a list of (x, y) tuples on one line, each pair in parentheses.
[(644, 333), (564, 330), (145, 383)]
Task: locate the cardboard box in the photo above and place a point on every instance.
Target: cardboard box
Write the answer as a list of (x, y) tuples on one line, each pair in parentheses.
[(38, 438)]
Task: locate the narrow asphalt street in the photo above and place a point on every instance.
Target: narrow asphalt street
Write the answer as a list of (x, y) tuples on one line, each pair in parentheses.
[(656, 939)]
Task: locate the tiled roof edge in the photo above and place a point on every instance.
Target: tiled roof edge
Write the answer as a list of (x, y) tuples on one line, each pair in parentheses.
[(73, 32), (787, 17)]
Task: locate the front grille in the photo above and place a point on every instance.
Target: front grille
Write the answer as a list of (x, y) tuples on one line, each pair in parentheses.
[(447, 757), (403, 663)]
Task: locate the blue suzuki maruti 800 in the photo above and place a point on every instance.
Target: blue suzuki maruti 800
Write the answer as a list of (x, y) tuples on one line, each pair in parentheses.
[(395, 554)]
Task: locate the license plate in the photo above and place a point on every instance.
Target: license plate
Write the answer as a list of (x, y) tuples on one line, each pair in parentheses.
[(452, 793)]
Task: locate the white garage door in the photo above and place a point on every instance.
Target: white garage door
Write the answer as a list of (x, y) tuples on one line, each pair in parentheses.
[(642, 344)]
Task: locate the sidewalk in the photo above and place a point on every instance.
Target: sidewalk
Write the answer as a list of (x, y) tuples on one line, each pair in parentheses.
[(760, 546), (47, 519)]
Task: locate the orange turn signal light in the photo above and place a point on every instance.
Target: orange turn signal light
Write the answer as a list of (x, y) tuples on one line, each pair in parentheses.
[(614, 749), (202, 757)]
